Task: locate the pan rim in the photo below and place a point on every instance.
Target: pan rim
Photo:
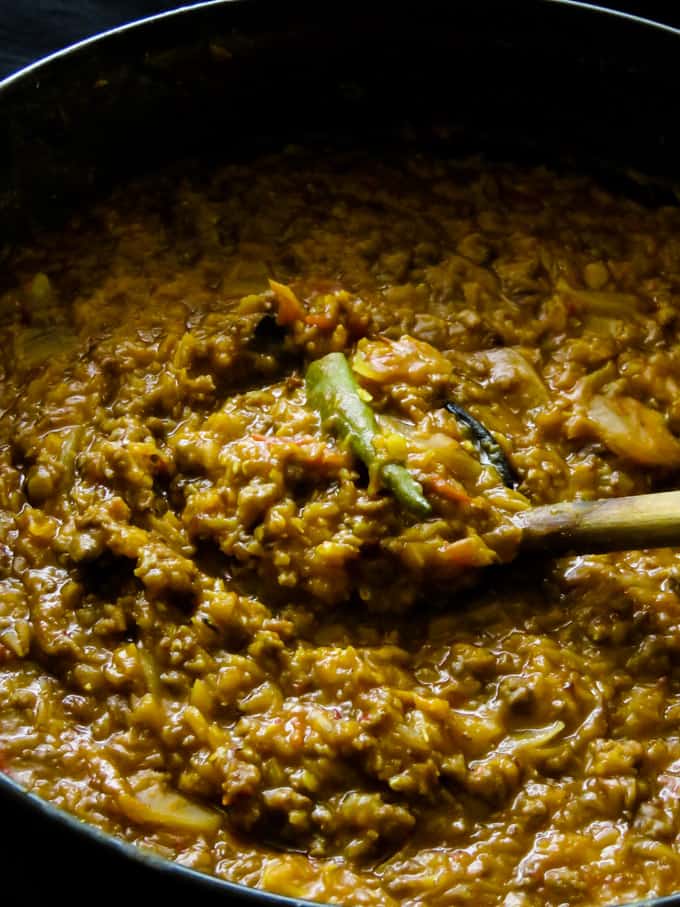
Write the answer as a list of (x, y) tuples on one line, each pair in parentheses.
[(37, 65)]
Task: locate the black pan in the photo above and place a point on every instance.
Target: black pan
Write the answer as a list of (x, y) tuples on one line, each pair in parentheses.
[(545, 80)]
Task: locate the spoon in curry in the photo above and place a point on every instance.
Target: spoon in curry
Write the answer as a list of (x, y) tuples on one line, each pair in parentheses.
[(613, 524), (582, 527)]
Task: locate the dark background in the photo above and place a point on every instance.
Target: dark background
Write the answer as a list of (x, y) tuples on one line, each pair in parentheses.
[(54, 867), (29, 29)]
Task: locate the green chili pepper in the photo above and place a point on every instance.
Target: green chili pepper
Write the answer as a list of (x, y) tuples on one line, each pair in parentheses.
[(333, 391)]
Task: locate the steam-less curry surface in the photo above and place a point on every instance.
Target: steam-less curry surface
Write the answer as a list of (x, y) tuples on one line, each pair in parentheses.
[(222, 639)]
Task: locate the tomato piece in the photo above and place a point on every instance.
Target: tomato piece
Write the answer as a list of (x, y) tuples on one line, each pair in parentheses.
[(289, 306)]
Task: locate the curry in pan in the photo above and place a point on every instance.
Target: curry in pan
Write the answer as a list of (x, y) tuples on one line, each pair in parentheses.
[(262, 434)]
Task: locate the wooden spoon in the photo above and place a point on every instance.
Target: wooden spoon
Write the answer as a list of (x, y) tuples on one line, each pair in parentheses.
[(613, 524)]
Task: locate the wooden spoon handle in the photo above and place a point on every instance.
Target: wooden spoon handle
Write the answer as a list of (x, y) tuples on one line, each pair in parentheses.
[(613, 524)]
